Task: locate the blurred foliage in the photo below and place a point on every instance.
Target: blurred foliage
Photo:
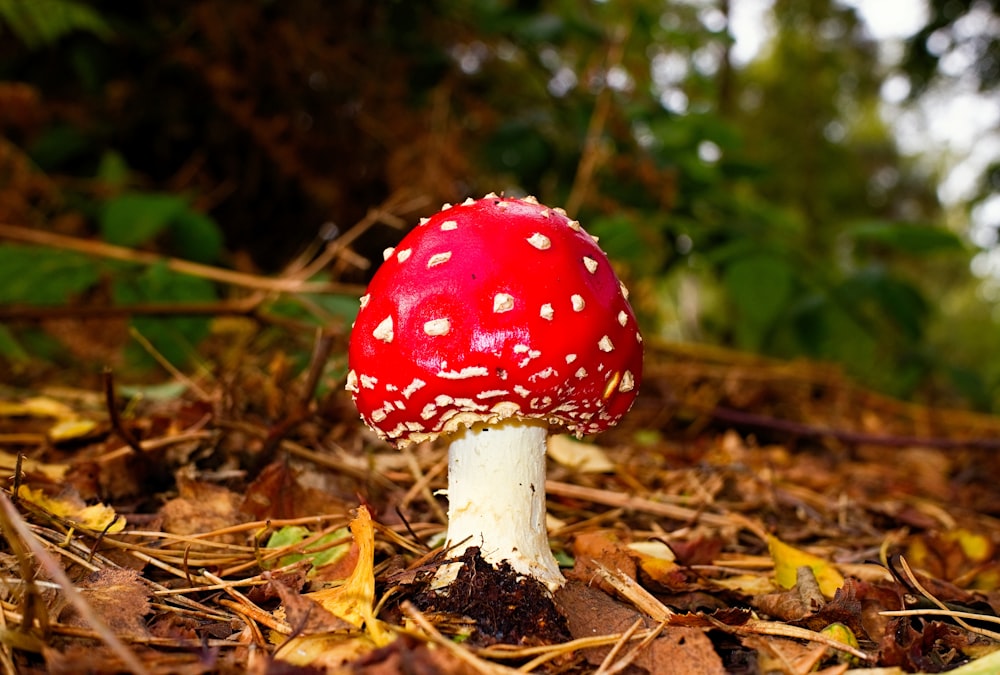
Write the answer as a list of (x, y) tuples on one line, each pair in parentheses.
[(764, 205), (41, 23)]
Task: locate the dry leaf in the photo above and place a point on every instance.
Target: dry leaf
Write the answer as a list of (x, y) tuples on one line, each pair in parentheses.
[(305, 615), (97, 518), (601, 547), (38, 406), (278, 493), (118, 596), (579, 456), (657, 560), (53, 472), (202, 507), (353, 602), (788, 559)]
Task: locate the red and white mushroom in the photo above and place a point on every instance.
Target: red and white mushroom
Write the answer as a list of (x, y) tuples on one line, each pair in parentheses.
[(490, 322)]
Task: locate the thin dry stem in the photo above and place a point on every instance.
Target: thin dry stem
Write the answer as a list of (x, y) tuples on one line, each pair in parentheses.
[(912, 578), (218, 274), (464, 655)]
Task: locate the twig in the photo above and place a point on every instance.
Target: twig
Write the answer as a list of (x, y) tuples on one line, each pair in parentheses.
[(301, 407), (633, 653), (116, 419), (14, 524), (912, 578), (642, 505), (421, 484), (241, 307), (617, 647), (642, 599), (382, 213), (219, 274), (773, 628), (546, 653), (741, 418), (463, 655), (166, 365), (244, 605), (985, 618)]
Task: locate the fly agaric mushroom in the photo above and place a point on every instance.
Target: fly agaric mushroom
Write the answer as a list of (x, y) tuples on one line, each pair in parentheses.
[(490, 322)]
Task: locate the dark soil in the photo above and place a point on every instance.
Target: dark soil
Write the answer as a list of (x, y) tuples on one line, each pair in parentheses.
[(504, 607)]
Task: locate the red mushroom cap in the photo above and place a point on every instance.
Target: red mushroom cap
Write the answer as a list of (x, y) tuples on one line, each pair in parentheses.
[(492, 309)]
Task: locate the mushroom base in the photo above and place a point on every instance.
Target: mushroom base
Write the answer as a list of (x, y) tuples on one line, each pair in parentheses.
[(506, 607), (496, 499)]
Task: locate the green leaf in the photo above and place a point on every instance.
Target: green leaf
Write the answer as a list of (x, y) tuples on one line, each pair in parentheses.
[(196, 237), (287, 536), (760, 285), (914, 238), (174, 337), (319, 553), (42, 276), (167, 391), (59, 144), (628, 242), (112, 170), (135, 218), (826, 331), (10, 348), (41, 23), (887, 297)]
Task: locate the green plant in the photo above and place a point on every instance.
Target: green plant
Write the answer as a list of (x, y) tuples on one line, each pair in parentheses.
[(41, 23)]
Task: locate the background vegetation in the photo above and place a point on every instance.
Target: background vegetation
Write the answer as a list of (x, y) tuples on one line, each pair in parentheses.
[(764, 206)]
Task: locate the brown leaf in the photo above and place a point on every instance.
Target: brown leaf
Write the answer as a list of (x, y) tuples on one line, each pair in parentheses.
[(118, 596), (601, 547), (927, 646), (697, 551), (306, 616), (857, 605), (407, 655), (202, 507), (277, 493), (589, 612), (782, 655), (784, 605)]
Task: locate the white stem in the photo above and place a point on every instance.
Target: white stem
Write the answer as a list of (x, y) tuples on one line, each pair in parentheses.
[(496, 498)]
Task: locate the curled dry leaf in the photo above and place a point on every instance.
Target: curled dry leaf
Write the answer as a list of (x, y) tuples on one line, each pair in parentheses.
[(96, 517), (788, 559), (351, 603)]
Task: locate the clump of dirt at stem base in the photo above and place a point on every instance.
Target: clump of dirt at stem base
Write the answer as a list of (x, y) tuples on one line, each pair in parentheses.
[(504, 607)]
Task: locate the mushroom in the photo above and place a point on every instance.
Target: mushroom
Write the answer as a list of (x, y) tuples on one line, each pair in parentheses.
[(489, 323)]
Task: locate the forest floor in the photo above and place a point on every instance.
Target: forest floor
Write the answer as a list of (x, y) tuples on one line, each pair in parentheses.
[(748, 516)]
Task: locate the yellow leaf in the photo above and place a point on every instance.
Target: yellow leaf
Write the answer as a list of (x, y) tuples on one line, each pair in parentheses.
[(917, 553), (655, 558), (652, 549), (71, 429), (38, 406), (54, 472), (748, 584), (977, 547), (353, 601), (582, 457), (97, 518), (788, 559), (325, 653)]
